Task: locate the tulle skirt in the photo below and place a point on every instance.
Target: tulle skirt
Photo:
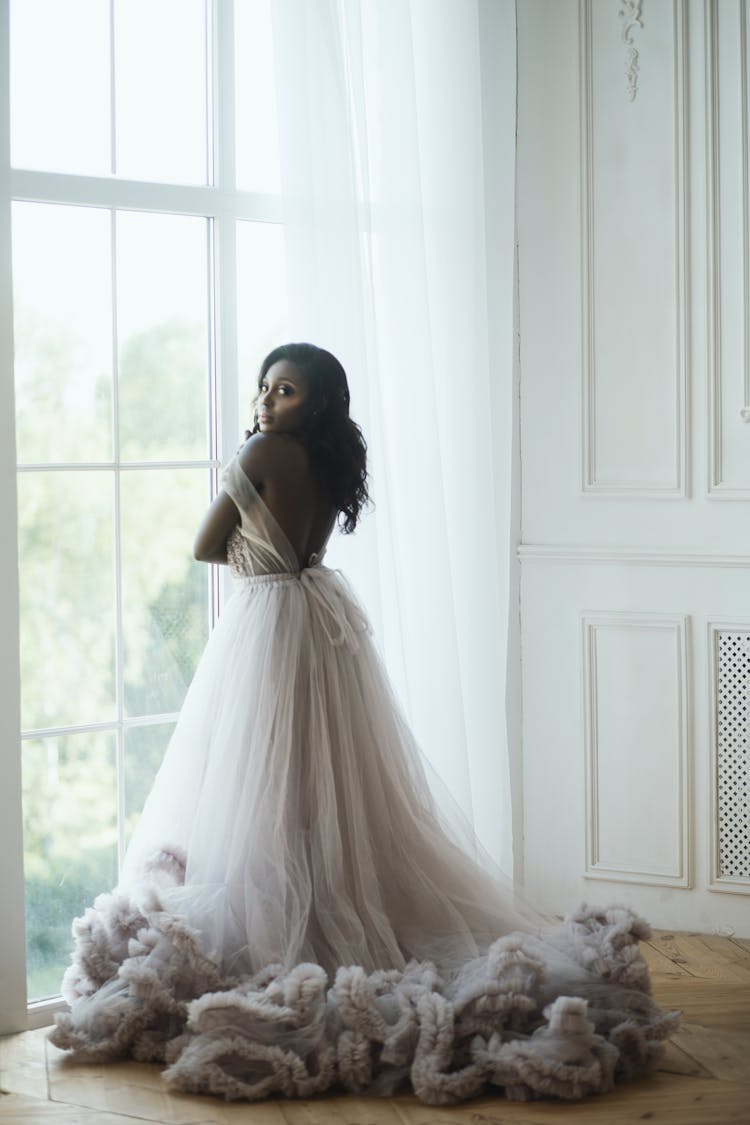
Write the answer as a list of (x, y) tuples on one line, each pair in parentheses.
[(295, 790), (296, 911)]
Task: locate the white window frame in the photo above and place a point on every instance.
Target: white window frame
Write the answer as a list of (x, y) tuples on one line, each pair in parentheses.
[(225, 205)]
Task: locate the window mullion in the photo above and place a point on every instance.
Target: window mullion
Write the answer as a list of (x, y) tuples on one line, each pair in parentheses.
[(140, 195), (112, 92), (225, 247), (12, 930), (210, 18), (124, 466), (119, 675), (213, 393), (87, 728)]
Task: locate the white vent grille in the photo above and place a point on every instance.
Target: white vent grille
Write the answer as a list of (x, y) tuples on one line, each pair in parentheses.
[(733, 753)]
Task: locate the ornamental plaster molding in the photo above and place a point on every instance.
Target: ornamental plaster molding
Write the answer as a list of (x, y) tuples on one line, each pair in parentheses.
[(631, 17)]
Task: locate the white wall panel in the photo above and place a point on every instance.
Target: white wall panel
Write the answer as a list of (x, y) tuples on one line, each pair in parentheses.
[(561, 391), (727, 39), (635, 716), (634, 295), (634, 254), (638, 675)]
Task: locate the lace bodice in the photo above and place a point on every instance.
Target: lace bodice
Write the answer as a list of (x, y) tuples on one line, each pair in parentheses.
[(239, 553)]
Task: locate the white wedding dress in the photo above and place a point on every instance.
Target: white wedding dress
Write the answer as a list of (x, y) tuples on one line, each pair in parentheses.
[(294, 914)]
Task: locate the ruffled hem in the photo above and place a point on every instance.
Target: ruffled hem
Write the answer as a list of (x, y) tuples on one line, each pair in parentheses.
[(563, 1014)]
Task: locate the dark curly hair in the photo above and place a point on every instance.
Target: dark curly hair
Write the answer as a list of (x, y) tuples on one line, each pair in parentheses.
[(334, 441)]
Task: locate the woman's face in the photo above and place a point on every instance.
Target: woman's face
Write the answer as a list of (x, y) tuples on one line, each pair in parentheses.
[(284, 403)]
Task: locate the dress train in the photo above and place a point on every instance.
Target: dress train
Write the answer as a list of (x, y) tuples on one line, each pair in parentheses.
[(294, 915)]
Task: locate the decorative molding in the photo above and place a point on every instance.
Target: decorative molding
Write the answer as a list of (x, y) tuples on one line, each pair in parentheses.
[(587, 246), (626, 556), (595, 869), (677, 486), (717, 488), (631, 16), (713, 248), (745, 120), (717, 881)]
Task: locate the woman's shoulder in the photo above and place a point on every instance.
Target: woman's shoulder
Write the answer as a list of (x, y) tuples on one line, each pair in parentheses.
[(276, 454)]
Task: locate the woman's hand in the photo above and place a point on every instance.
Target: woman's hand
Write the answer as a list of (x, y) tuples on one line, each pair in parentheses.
[(246, 438)]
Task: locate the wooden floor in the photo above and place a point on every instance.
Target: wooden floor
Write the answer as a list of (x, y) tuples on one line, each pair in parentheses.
[(704, 1079)]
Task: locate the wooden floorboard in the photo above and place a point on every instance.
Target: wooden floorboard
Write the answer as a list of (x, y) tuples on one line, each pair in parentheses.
[(23, 1064), (660, 965), (705, 956), (707, 1003), (704, 1078)]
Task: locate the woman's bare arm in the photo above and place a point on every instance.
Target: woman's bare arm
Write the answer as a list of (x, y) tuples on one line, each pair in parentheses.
[(216, 526), (220, 520)]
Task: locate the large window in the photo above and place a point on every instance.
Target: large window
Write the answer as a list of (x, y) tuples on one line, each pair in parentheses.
[(148, 282)]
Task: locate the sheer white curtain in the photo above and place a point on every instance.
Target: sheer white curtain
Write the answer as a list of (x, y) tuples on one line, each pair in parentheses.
[(397, 127)]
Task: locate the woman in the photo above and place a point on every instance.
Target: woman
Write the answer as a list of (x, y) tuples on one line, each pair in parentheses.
[(293, 914)]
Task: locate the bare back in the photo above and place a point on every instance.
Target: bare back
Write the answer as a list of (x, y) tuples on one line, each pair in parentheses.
[(296, 495)]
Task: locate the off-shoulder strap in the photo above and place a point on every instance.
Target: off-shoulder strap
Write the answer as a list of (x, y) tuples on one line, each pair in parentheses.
[(257, 523), (238, 485)]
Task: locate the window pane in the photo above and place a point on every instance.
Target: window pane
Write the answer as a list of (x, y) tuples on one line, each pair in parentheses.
[(60, 109), (62, 296), (256, 125), (70, 844), (262, 310), (165, 592), (160, 75), (66, 552), (162, 321), (144, 750)]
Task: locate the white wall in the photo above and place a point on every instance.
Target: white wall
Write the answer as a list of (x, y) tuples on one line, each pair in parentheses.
[(633, 292)]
